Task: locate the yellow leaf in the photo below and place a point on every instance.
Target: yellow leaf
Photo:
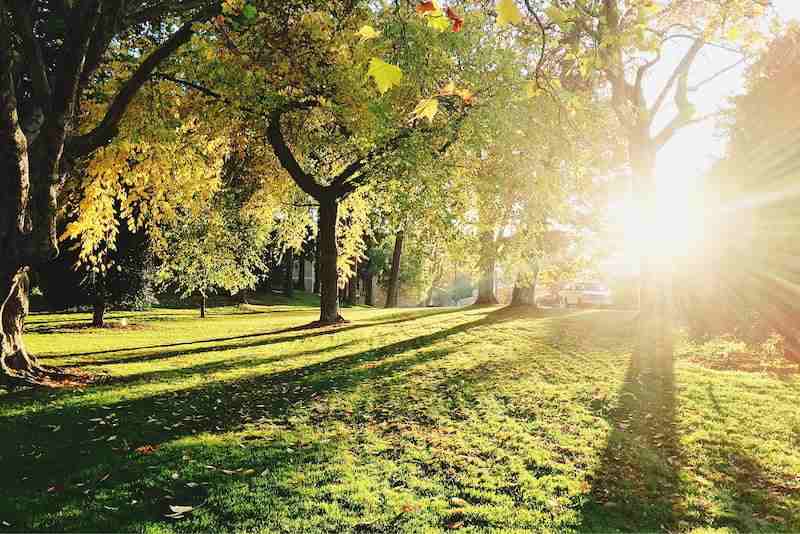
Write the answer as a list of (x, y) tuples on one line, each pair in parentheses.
[(449, 89), (426, 108), (439, 21), (367, 32), (385, 74), (508, 13)]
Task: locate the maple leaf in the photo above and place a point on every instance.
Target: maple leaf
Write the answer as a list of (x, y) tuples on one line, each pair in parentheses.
[(438, 21), (426, 108), (508, 13), (458, 22), (425, 7), (385, 74), (367, 32)]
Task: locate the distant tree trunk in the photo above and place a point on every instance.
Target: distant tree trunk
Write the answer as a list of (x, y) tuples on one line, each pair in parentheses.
[(202, 305), (369, 294), (392, 288), (316, 266), (328, 255), (488, 264), (524, 290), (288, 279), (352, 287), (301, 274), (99, 308)]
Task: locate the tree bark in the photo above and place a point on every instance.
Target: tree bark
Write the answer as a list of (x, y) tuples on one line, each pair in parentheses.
[(328, 256), (316, 266), (488, 263), (392, 289), (202, 305), (15, 362), (288, 280)]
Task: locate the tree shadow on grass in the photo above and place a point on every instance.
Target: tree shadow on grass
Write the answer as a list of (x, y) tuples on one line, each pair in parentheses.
[(636, 486), (48, 453), (306, 334)]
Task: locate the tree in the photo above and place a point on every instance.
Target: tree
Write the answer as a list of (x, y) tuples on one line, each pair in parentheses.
[(623, 40), (332, 129), (51, 56), (217, 249), (742, 281)]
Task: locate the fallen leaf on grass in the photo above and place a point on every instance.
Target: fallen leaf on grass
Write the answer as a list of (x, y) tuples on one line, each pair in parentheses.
[(460, 503), (146, 449), (181, 509)]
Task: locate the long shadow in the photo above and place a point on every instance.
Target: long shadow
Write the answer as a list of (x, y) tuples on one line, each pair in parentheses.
[(304, 335), (272, 395), (636, 486)]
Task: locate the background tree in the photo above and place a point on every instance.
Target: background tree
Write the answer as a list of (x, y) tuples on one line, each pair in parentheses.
[(743, 278), (347, 95), (623, 40), (216, 249)]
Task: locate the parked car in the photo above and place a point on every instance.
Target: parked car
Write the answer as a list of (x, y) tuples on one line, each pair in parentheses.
[(585, 294)]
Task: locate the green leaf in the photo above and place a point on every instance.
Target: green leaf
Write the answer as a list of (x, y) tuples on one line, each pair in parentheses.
[(249, 12)]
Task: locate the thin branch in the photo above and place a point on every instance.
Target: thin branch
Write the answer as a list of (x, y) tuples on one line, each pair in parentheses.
[(716, 75), (542, 30)]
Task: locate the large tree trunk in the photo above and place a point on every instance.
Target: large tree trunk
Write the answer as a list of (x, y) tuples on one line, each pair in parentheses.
[(392, 289), (15, 362), (488, 264), (655, 294), (202, 305), (328, 257), (288, 280), (17, 240)]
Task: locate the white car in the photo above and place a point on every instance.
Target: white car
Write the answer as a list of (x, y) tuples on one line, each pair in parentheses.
[(585, 294)]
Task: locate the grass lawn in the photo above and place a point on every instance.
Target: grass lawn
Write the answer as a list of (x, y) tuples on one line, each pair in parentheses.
[(423, 420)]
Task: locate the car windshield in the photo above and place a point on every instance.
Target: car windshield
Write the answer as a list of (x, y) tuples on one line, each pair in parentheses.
[(593, 287)]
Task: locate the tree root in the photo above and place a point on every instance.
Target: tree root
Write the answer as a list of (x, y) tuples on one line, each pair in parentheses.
[(38, 375)]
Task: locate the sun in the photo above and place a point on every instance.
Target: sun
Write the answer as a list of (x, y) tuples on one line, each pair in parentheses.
[(670, 228)]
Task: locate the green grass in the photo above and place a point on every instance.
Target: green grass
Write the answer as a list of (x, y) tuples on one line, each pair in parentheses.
[(423, 420)]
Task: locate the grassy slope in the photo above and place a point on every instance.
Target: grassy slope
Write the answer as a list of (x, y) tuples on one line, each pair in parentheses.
[(403, 421)]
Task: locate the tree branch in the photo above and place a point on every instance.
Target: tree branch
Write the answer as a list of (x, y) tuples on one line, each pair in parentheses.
[(717, 74), (107, 129), (305, 181), (682, 69)]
